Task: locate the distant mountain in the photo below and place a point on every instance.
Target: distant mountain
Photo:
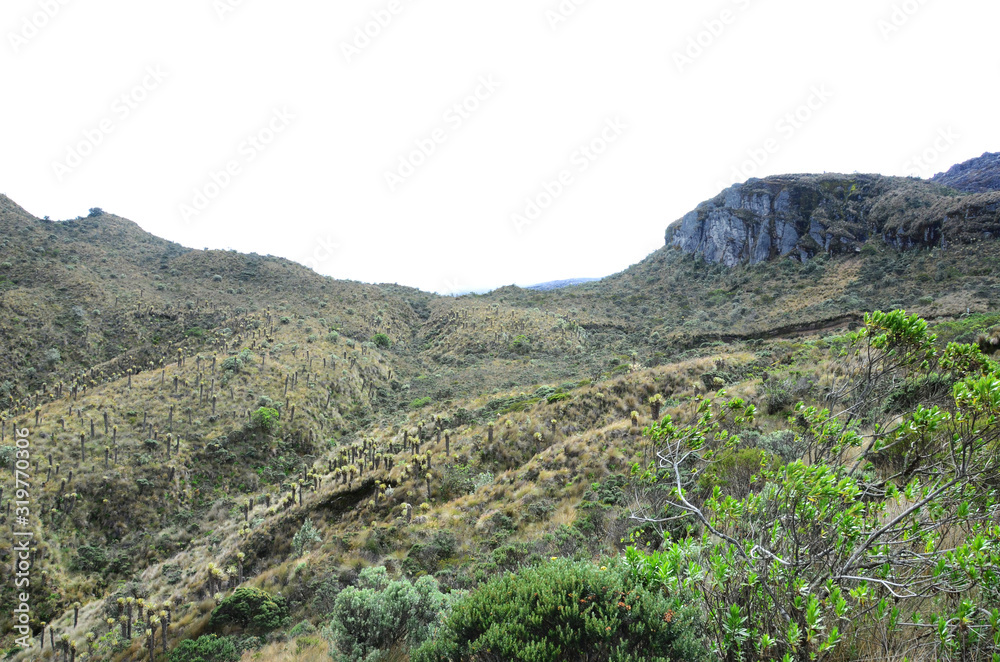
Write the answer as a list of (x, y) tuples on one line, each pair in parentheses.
[(977, 175), (559, 284)]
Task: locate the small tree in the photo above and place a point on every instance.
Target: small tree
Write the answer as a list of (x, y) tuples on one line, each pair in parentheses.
[(378, 614), (307, 535)]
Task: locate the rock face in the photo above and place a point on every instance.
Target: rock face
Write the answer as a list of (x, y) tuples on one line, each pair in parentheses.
[(774, 217), (974, 176), (800, 216)]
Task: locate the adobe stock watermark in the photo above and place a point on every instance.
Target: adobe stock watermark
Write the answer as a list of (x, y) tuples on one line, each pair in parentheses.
[(223, 8), (32, 24), (899, 16), (562, 12), (922, 164), (324, 249), (247, 152), (711, 31), (121, 108), (367, 33), (454, 118), (785, 130), (580, 161), (22, 534)]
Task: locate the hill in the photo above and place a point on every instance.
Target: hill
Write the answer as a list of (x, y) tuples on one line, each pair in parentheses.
[(204, 423), (978, 175)]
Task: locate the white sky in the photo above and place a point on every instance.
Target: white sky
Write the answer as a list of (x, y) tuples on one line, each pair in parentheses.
[(884, 97)]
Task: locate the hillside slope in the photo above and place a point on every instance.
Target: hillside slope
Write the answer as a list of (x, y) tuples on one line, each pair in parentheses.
[(191, 411)]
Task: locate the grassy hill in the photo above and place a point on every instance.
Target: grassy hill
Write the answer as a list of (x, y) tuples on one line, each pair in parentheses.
[(207, 421)]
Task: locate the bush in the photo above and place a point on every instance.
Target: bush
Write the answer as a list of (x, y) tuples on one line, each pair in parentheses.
[(306, 536), (91, 559), (733, 472), (420, 403), (382, 340), (781, 443), (252, 609), (264, 419), (380, 614), (53, 356), (521, 344), (554, 611), (208, 648), (7, 456)]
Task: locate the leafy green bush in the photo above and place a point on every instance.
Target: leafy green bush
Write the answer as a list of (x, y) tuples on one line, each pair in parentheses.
[(306, 535), (264, 419), (7, 456), (90, 559), (382, 340), (252, 609), (379, 614), (420, 403), (237, 363), (208, 648), (304, 627), (552, 612)]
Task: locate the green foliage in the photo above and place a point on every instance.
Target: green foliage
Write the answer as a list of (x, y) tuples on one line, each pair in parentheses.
[(252, 609), (8, 454), (521, 344), (382, 340), (552, 612), (265, 419), (420, 403), (91, 559), (208, 648), (306, 536), (843, 548), (781, 443), (237, 363), (379, 613), (303, 627)]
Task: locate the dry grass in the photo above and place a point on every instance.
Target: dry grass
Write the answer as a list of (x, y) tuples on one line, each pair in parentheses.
[(303, 649)]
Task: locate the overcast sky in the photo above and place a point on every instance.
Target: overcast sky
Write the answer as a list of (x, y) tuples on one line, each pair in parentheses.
[(459, 144)]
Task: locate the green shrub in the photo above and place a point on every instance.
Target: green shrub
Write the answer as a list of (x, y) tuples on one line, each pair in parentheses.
[(382, 340), (420, 403), (552, 612), (90, 559), (307, 535), (521, 344), (379, 614), (7, 456), (208, 648), (733, 472), (264, 419), (252, 609), (305, 627), (780, 443)]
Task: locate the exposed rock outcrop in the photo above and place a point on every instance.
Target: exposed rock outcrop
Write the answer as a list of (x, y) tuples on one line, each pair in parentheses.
[(803, 215), (977, 175)]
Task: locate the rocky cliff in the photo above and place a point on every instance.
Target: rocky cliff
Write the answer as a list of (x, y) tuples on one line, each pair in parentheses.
[(977, 175), (800, 216)]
